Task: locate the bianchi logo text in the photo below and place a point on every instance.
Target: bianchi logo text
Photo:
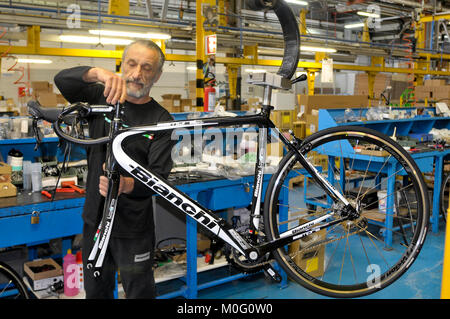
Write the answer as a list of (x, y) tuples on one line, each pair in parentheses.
[(155, 185)]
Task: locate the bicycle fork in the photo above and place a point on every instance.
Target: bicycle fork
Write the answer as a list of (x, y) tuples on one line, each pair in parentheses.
[(103, 233)]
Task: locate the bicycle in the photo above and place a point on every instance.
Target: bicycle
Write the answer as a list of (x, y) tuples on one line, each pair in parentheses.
[(11, 285), (280, 230)]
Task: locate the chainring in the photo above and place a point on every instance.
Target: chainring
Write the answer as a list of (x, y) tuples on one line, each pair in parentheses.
[(240, 262)]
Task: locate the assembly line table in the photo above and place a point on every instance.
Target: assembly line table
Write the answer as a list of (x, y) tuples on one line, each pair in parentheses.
[(61, 218)]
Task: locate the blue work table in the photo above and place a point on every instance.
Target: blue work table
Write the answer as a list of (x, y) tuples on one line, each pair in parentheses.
[(61, 218), (427, 160), (57, 219), (216, 195)]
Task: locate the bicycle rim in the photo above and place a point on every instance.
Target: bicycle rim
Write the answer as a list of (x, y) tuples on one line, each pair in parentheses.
[(351, 258), (11, 286)]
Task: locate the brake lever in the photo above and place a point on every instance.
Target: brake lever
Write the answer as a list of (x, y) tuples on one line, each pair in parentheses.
[(37, 133), (302, 77)]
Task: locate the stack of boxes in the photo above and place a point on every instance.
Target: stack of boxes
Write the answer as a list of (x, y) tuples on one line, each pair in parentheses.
[(382, 81), (433, 90), (171, 102), (309, 106)]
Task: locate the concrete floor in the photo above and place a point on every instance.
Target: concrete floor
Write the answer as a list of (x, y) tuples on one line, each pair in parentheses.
[(421, 281)]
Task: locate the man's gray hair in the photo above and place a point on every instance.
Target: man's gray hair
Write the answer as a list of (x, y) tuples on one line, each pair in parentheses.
[(148, 44)]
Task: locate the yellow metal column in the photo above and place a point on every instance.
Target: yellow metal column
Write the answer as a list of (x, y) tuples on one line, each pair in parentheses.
[(251, 51), (200, 34), (222, 11), (371, 78), (375, 61), (303, 21), (34, 38), (119, 60), (200, 54), (420, 44), (365, 34), (232, 70), (119, 7), (311, 73)]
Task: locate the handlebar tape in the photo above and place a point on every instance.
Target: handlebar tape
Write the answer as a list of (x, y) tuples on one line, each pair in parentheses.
[(291, 33)]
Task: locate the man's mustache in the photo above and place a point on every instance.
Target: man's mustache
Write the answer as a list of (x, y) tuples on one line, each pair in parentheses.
[(135, 81)]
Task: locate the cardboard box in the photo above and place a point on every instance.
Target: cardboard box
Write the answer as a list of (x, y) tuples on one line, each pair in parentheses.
[(47, 99), (398, 87), (40, 86), (283, 119), (192, 86), (307, 103), (435, 82), (275, 149), (44, 279), (172, 106), (60, 100), (312, 124), (441, 92), (171, 96), (422, 92), (7, 190), (311, 260), (299, 129), (5, 169)]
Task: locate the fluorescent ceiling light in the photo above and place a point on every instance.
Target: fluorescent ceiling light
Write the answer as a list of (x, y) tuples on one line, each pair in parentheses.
[(354, 25), (112, 33), (317, 49), (368, 14), (41, 61), (255, 70), (299, 2), (191, 68), (94, 40)]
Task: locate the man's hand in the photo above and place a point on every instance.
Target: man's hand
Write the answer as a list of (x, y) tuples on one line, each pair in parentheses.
[(115, 87), (126, 184)]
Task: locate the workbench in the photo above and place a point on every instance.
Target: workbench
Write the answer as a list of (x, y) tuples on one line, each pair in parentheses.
[(61, 218), (428, 161)]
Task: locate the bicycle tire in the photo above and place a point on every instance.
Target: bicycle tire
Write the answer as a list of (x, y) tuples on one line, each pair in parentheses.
[(13, 282), (393, 270)]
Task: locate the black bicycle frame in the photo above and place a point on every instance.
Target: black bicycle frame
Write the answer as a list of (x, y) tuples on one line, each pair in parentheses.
[(218, 226)]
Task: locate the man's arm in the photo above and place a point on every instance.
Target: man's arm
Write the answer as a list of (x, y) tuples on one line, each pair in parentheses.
[(79, 84)]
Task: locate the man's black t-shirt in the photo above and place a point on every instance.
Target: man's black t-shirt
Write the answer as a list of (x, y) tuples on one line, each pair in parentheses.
[(134, 216)]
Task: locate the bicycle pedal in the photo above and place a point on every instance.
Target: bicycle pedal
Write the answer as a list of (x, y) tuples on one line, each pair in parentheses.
[(272, 273)]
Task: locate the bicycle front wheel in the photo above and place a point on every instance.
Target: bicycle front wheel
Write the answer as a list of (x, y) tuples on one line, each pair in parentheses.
[(11, 286), (355, 257)]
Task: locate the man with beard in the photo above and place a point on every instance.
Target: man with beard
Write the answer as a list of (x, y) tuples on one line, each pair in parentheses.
[(131, 246)]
